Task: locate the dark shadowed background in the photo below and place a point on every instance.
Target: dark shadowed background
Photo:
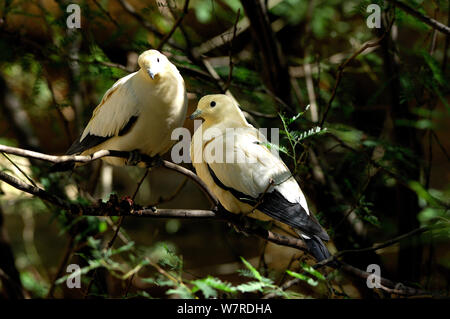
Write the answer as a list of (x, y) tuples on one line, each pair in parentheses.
[(379, 170)]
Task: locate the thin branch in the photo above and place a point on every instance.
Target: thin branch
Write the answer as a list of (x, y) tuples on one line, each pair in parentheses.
[(19, 169), (261, 197), (342, 66), (230, 72), (63, 119), (174, 167), (119, 224), (106, 13), (444, 151), (103, 153), (140, 184), (62, 264), (130, 9), (108, 64), (259, 114), (387, 243), (386, 284), (221, 39), (431, 22), (175, 26), (446, 45), (173, 195)]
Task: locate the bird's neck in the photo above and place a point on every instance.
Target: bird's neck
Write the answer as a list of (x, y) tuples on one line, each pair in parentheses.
[(164, 86), (226, 123)]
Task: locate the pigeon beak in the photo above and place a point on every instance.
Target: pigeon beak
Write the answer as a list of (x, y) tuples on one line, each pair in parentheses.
[(151, 73), (195, 115)]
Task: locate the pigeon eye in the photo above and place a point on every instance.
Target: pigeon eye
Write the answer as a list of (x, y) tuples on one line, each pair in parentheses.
[(212, 104), (157, 60)]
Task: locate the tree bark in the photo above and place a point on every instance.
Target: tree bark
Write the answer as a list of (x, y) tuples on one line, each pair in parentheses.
[(274, 67)]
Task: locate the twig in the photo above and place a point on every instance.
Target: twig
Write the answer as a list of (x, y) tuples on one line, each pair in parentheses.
[(431, 22), (63, 263), (173, 195), (63, 119), (106, 13), (175, 26), (261, 197), (386, 284), (222, 38), (356, 204), (130, 9), (109, 64), (119, 224), (19, 169), (139, 184), (342, 66), (130, 282), (396, 288), (387, 243), (444, 151), (446, 45), (116, 232), (230, 72), (259, 114)]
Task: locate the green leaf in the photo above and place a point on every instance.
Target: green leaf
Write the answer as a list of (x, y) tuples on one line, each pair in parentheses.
[(372, 219), (429, 214), (298, 135), (309, 280), (102, 227), (309, 269), (160, 281), (294, 118), (422, 193), (255, 272), (33, 285), (203, 11), (251, 286), (434, 67), (207, 290), (216, 283), (182, 291), (122, 248), (279, 148)]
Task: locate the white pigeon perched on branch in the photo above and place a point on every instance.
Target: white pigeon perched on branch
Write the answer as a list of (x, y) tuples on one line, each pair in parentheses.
[(246, 177), (137, 114)]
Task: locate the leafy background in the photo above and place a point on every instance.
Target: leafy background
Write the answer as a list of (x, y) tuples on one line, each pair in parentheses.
[(378, 167)]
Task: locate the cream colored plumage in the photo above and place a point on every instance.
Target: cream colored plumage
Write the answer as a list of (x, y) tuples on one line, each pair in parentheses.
[(139, 112), (248, 174)]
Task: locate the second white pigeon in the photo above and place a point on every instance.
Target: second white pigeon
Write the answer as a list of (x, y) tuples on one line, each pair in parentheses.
[(230, 156)]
